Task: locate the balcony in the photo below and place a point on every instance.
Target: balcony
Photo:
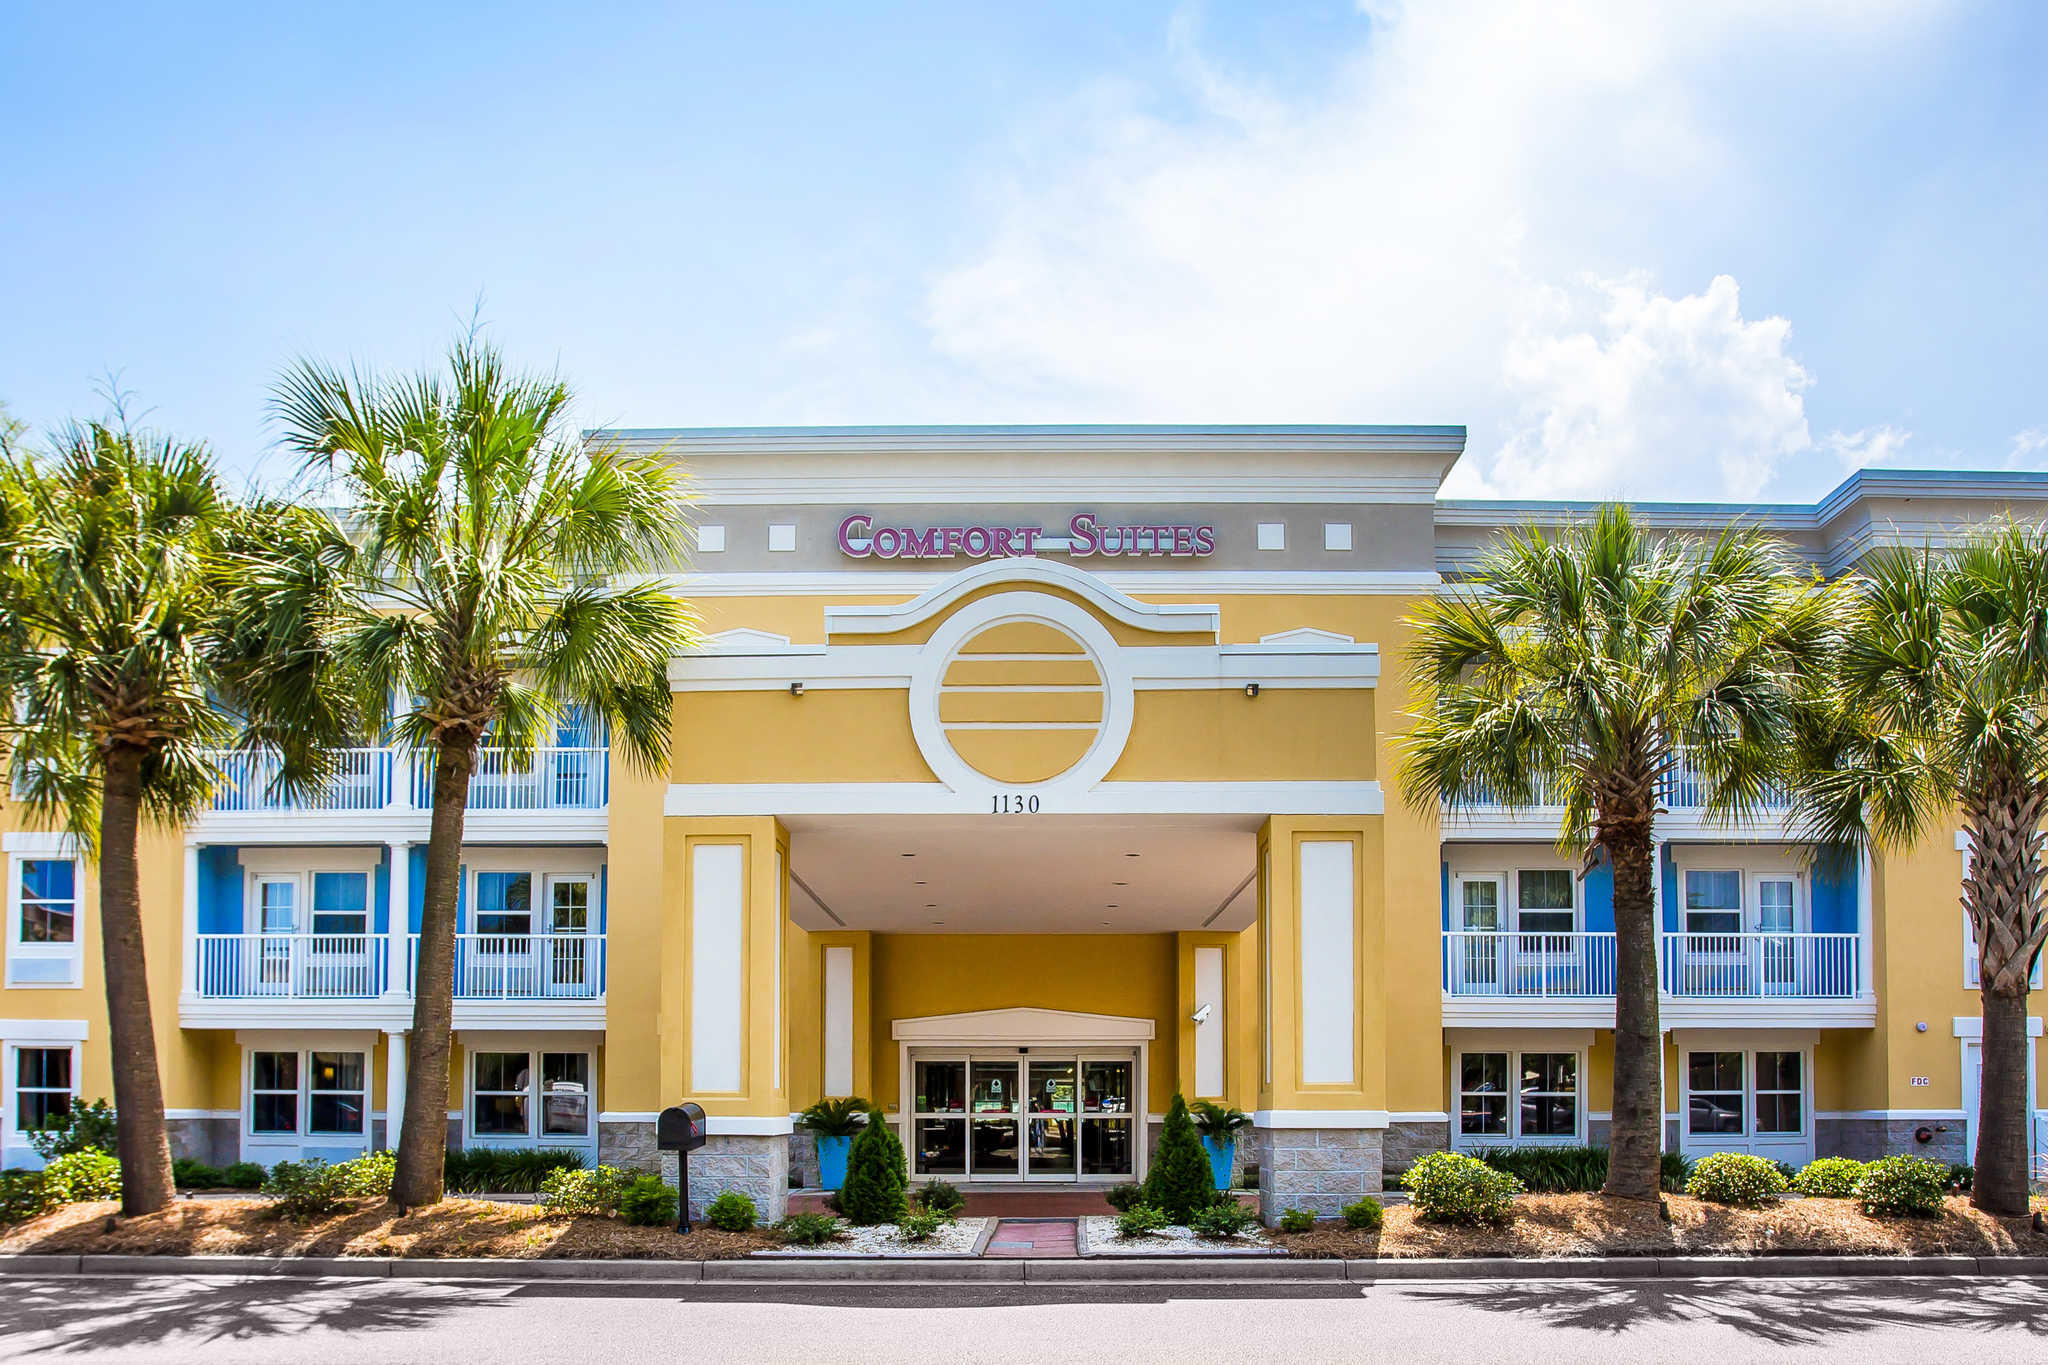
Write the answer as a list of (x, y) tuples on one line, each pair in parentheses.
[(335, 969), (1758, 977), (1681, 791), (395, 780)]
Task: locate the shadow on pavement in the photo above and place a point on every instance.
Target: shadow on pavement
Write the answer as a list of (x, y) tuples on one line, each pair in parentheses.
[(1780, 1312)]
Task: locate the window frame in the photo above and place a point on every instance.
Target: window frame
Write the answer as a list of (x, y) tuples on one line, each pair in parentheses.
[(302, 1115), (10, 1058), (21, 949), (1740, 909), (477, 911), (1575, 911), (1514, 1053), (535, 1094), (1749, 1138), (313, 911)]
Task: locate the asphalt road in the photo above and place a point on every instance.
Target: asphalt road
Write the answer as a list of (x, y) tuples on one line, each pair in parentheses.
[(168, 1320)]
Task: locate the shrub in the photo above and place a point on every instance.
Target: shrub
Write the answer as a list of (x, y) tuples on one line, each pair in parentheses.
[(1961, 1176), (368, 1176), (732, 1211), (1574, 1170), (875, 1176), (1674, 1171), (1366, 1214), (1223, 1220), (1181, 1183), (25, 1195), (810, 1229), (1736, 1178), (1447, 1187), (647, 1202), (840, 1117), (82, 1176), (505, 1170), (595, 1190), (940, 1196), (1124, 1198), (303, 1189), (82, 1128), (1903, 1186), (1297, 1220), (243, 1175), (921, 1225), (188, 1174), (1219, 1121), (1140, 1220), (1831, 1177)]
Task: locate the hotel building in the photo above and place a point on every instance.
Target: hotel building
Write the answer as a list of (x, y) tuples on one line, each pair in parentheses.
[(1026, 776)]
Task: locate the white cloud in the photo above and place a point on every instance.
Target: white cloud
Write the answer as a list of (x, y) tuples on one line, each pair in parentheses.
[(1861, 449), (1433, 237), (2029, 449)]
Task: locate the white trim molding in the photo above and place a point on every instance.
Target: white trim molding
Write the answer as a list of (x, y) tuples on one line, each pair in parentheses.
[(1045, 573), (1321, 1118), (1972, 1026), (1021, 1028), (34, 1031), (1105, 798)]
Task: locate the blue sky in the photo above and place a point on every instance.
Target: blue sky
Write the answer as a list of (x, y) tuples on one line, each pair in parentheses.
[(1686, 251)]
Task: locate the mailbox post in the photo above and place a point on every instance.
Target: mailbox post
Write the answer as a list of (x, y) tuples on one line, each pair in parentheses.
[(680, 1129)]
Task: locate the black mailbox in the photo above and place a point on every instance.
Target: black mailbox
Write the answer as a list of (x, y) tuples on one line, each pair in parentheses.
[(680, 1129)]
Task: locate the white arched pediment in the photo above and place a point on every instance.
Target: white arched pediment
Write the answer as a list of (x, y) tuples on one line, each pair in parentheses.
[(1024, 572), (1022, 1027)]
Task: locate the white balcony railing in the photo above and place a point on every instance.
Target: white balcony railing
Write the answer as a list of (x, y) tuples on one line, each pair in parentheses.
[(1680, 789), (525, 966), (395, 779), (291, 966), (1508, 965)]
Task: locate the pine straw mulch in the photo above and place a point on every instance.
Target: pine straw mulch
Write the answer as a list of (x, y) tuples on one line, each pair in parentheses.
[(454, 1227), (1595, 1225)]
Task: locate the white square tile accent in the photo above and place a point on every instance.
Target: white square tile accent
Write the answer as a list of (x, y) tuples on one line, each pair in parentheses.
[(1272, 535), (710, 539), (1336, 535), (782, 537)]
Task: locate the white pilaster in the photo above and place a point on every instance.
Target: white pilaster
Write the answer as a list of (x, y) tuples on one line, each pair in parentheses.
[(1866, 930), (1327, 892), (718, 967), (838, 1019), (191, 956), (398, 922), (394, 1088), (1212, 1028)]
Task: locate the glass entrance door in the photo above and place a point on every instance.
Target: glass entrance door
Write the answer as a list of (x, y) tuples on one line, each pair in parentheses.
[(1024, 1117)]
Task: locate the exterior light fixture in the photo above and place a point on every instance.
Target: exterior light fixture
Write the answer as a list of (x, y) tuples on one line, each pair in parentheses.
[(1251, 689), (1201, 1015), (796, 689)]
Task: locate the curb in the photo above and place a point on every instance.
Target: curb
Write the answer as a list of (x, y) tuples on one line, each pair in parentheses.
[(1075, 1271)]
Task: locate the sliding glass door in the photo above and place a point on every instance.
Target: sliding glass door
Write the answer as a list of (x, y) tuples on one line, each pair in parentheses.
[(1024, 1116)]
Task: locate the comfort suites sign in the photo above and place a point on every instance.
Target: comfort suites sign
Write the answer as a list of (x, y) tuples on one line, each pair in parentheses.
[(860, 537)]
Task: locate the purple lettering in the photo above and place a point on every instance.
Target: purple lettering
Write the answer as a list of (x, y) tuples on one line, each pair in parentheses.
[(921, 544), (974, 540), (1083, 537), (846, 533), (999, 541), (949, 541), (887, 541), (1205, 540), (1183, 540), (1027, 540)]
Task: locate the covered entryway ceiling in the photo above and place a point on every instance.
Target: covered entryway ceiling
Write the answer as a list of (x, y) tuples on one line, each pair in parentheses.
[(1031, 874)]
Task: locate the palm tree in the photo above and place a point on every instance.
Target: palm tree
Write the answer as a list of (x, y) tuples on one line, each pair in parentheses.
[(480, 573), (1582, 668), (104, 612), (1939, 705)]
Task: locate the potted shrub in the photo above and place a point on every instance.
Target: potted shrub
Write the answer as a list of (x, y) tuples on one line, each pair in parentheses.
[(1219, 1124), (833, 1123)]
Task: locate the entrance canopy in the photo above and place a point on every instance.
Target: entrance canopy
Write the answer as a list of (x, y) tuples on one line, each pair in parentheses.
[(1049, 874)]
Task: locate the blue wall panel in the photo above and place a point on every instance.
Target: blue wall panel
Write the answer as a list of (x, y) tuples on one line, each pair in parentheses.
[(1834, 891), (1673, 910), (1600, 899), (220, 889)]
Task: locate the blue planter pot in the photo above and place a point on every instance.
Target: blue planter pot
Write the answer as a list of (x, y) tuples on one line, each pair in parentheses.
[(832, 1161), (1220, 1152)]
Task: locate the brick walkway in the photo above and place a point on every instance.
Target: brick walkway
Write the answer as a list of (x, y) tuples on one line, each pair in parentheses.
[(1038, 1240)]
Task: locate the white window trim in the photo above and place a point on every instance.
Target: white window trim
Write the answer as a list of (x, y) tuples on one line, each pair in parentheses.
[(1515, 1049), (1973, 966), (1755, 866), (1748, 1046), (300, 866), (533, 1047), (18, 948), (545, 867), (14, 1146)]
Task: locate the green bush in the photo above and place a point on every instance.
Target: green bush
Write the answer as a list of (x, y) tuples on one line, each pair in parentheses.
[(82, 1176), (810, 1229), (648, 1202), (303, 1189), (921, 1225), (82, 1128), (505, 1170), (188, 1174), (873, 1192), (1366, 1214), (1574, 1170), (941, 1196), (1448, 1187), (1903, 1186), (1961, 1176), (732, 1211), (1181, 1183), (1141, 1220), (1297, 1220), (1750, 1182), (835, 1118), (1219, 1121), (595, 1190), (1830, 1177), (368, 1176), (243, 1175), (25, 1195), (1124, 1198), (1223, 1220)]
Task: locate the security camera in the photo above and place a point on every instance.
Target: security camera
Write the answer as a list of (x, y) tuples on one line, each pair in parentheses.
[(1201, 1014)]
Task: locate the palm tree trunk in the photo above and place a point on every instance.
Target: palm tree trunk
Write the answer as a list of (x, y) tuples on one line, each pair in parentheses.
[(1636, 1131), (423, 1143), (140, 1138), (2000, 1183)]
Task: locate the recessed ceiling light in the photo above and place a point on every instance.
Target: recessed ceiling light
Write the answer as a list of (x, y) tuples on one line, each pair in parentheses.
[(1110, 906), (1119, 883), (938, 921), (931, 905), (1130, 855), (1105, 924), (917, 883), (913, 855)]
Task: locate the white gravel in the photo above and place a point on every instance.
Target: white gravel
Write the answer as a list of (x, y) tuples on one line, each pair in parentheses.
[(958, 1238), (1099, 1238)]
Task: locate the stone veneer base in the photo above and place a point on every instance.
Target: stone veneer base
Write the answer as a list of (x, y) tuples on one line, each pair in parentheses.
[(755, 1166), (629, 1146), (1318, 1170)]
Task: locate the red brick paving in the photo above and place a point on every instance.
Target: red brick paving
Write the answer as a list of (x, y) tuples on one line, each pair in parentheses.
[(1039, 1240)]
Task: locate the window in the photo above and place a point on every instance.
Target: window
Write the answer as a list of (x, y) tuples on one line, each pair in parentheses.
[(42, 1086), (274, 1092), (1774, 909), (569, 906), (1550, 1094), (1544, 902), (335, 1085), (1714, 1086), (504, 903), (49, 901), (1483, 1094), (510, 1090), (1780, 1096), (1713, 902), (1973, 972), (341, 903), (277, 901)]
